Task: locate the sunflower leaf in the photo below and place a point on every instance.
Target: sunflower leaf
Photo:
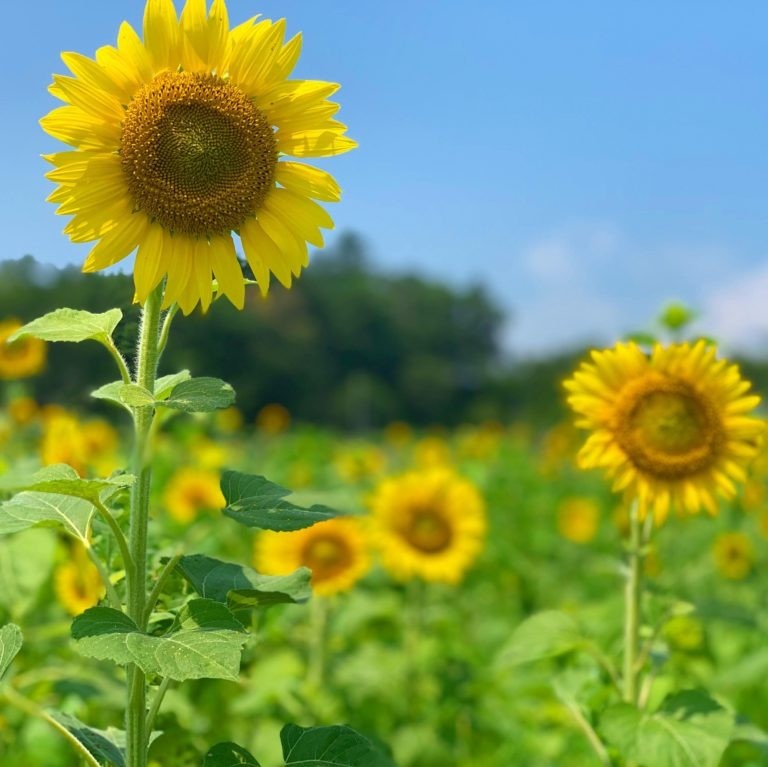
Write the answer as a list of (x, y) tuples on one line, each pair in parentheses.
[(229, 755), (10, 644), (62, 479), (254, 501), (200, 395), (690, 729), (111, 393), (32, 509), (72, 325), (242, 588), (335, 746), (206, 644), (166, 384), (544, 635), (104, 745)]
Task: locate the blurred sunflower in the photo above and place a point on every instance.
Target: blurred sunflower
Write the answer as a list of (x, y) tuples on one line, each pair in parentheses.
[(191, 491), (77, 583), (672, 428), (23, 410), (428, 524), (734, 555), (22, 358), (577, 519), (273, 418), (179, 142), (336, 551)]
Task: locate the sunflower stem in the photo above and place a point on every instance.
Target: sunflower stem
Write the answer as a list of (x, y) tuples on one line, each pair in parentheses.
[(632, 589), (136, 571), (318, 607)]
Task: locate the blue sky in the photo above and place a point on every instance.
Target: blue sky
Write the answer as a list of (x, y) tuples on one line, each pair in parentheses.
[(588, 161)]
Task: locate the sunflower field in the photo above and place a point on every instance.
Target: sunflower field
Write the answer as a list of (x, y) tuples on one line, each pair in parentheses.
[(381, 546)]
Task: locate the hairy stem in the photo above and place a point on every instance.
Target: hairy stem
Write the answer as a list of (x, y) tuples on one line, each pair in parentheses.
[(136, 570), (632, 607)]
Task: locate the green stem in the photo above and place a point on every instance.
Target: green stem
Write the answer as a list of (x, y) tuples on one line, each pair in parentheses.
[(122, 543), (318, 607), (119, 361), (112, 595), (632, 607), (594, 739), (29, 707), (166, 329), (156, 703), (157, 590), (136, 570)]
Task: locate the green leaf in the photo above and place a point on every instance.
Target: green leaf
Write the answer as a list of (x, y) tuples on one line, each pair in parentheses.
[(30, 509), (335, 746), (207, 645), (229, 755), (111, 393), (690, 729), (543, 635), (134, 395), (10, 644), (71, 325), (166, 384), (64, 480), (26, 561), (105, 745), (200, 395), (242, 588), (254, 501)]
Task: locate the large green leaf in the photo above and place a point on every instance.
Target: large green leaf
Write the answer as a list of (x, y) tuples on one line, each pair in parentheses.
[(543, 635), (200, 395), (254, 501), (72, 325), (30, 509), (10, 644), (690, 729), (229, 755), (64, 480), (206, 644), (242, 588), (166, 384), (104, 745), (335, 746)]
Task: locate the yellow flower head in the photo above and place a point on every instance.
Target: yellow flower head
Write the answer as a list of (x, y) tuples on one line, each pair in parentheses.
[(428, 524), (734, 555), (358, 462), (577, 519), (22, 358), (77, 583), (23, 410), (179, 143), (63, 442), (191, 491), (336, 551), (670, 428)]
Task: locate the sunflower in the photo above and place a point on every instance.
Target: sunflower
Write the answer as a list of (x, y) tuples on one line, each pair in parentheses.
[(336, 551), (191, 491), (734, 555), (179, 143), (428, 524), (77, 583), (22, 358), (672, 428), (577, 519)]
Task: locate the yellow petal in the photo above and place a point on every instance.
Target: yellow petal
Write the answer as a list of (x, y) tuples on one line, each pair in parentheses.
[(318, 142), (91, 99), (308, 180), (300, 214), (260, 247), (226, 269), (148, 267), (75, 127), (117, 244), (161, 34)]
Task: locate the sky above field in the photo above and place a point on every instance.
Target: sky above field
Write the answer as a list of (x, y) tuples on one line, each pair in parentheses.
[(586, 161)]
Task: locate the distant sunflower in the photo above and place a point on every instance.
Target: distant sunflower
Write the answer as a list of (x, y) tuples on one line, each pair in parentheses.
[(671, 429), (191, 491), (77, 583), (22, 358), (428, 524), (734, 555), (336, 551), (179, 143)]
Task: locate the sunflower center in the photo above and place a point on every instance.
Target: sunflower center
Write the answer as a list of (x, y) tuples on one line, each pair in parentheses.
[(326, 557), (197, 155), (668, 428), (428, 531)]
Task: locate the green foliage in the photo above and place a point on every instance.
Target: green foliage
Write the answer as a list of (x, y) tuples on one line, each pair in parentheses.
[(690, 729), (335, 746), (200, 395), (229, 755), (25, 565), (543, 635), (207, 643), (10, 644), (105, 745), (72, 325), (254, 501), (62, 479), (31, 509), (240, 587)]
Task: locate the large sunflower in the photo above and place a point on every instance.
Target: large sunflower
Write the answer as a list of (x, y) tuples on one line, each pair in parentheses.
[(671, 428), (336, 551), (428, 524), (180, 141)]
